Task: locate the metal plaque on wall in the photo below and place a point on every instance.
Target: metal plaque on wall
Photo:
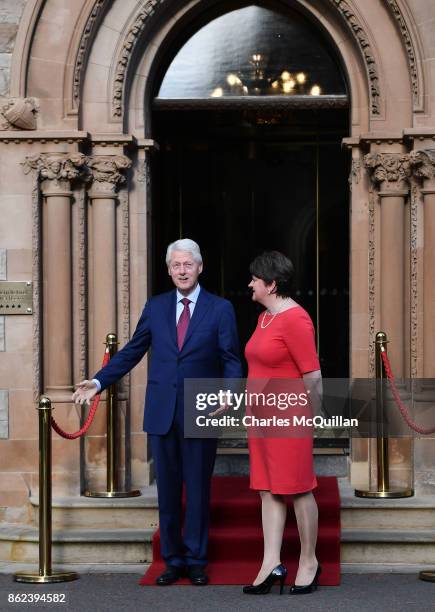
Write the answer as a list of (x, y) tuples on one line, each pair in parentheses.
[(16, 298)]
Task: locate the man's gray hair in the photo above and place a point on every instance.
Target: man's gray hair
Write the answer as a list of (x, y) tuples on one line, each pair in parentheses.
[(184, 245)]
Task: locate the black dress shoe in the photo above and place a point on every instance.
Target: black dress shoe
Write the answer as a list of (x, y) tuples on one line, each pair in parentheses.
[(279, 574), (171, 574), (197, 575), (306, 588)]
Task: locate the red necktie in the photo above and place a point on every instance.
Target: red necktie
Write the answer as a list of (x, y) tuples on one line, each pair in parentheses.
[(183, 323)]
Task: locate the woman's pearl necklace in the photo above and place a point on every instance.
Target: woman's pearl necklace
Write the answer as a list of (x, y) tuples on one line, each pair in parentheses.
[(284, 302)]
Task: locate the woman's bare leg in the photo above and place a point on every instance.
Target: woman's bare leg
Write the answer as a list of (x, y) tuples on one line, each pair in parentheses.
[(273, 515), (307, 520)]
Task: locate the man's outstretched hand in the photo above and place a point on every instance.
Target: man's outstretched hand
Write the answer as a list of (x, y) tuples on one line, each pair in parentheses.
[(85, 392)]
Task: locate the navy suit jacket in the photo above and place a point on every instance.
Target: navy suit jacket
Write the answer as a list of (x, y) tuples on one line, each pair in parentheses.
[(210, 350)]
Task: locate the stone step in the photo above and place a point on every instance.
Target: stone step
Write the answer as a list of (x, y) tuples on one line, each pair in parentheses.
[(96, 513), (80, 568), (386, 546), (142, 512), (417, 512), (19, 544), (388, 518)]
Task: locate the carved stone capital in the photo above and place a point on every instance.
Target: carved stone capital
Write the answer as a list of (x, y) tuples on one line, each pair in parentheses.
[(18, 114), (388, 171), (108, 172), (56, 171), (423, 164)]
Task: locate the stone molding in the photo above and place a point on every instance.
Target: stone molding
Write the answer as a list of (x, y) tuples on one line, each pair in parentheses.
[(355, 172), (18, 114), (129, 43), (414, 71), (372, 283), (413, 281), (82, 297), (86, 40), (364, 44), (28, 137), (423, 169), (37, 290), (253, 103), (125, 274), (90, 141)]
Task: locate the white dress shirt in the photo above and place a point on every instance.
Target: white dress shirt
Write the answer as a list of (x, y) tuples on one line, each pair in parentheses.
[(193, 297)]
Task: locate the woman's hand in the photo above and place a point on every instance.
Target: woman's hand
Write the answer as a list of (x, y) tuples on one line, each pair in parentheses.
[(85, 391), (314, 386)]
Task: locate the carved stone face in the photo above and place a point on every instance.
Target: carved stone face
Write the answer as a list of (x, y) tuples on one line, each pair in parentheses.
[(55, 167)]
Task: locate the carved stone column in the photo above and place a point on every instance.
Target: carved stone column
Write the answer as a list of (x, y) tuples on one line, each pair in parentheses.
[(108, 172), (56, 172), (390, 175), (423, 168)]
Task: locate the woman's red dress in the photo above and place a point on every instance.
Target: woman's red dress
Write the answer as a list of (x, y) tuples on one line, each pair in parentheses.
[(284, 349)]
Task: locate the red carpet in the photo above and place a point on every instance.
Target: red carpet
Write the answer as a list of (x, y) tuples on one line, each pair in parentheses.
[(236, 542)]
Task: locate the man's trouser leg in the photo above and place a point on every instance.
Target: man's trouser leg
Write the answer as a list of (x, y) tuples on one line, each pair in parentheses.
[(198, 462), (167, 454)]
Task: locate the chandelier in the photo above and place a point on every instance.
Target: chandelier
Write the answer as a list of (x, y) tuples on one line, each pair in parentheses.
[(255, 82)]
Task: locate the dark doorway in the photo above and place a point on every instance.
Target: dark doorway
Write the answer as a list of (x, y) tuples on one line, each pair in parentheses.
[(242, 181)]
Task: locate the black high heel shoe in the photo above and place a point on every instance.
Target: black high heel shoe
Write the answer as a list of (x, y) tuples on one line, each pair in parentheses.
[(306, 588), (279, 574)]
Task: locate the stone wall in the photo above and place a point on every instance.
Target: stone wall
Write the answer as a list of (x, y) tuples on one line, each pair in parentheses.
[(10, 14), (4, 409)]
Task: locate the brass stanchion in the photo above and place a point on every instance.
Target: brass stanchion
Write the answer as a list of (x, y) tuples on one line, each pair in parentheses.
[(45, 574), (382, 464), (112, 442)]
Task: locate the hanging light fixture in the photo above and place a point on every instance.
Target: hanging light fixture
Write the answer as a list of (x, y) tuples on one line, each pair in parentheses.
[(255, 82)]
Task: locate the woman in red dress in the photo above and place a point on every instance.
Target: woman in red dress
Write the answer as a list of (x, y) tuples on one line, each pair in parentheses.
[(283, 347)]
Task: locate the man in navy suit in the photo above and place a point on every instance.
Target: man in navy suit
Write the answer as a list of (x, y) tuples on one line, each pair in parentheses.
[(193, 335)]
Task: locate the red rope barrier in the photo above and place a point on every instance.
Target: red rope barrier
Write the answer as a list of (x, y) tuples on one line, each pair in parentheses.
[(91, 414), (400, 404)]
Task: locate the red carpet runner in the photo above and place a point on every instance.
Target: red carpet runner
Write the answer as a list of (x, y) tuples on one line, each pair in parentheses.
[(236, 541)]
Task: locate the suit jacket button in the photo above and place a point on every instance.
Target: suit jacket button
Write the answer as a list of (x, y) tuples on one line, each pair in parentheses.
[(175, 385)]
